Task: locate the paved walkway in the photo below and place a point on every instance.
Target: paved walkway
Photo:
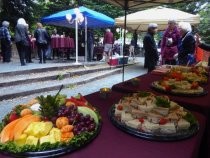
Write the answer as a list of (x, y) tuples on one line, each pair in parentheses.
[(130, 72)]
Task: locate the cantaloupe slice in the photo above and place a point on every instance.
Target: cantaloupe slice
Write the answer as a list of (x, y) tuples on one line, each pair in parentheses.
[(23, 124), (7, 134)]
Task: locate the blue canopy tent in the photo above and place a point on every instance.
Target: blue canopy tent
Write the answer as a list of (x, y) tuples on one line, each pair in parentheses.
[(92, 18)]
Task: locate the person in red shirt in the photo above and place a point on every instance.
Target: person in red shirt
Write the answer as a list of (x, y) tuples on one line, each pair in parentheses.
[(108, 44)]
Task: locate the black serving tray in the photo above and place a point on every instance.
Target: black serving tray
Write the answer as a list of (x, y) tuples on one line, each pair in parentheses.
[(152, 136), (58, 151), (179, 94)]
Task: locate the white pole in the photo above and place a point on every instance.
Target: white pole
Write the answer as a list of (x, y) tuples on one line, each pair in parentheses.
[(76, 35), (122, 44), (85, 39)]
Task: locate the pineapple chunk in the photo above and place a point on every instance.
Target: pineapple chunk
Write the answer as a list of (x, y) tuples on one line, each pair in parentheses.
[(21, 140), (45, 128), (31, 140), (44, 139), (29, 129), (48, 138), (56, 133), (39, 129)]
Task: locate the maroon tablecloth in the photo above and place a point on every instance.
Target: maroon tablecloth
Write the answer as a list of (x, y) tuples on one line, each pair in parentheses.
[(113, 143), (62, 42), (199, 104)]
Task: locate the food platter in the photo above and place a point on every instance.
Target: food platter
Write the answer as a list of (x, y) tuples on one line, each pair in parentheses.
[(58, 151), (183, 93), (159, 131), (183, 81), (36, 129), (192, 74)]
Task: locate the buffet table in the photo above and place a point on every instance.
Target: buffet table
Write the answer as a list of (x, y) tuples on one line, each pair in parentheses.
[(113, 143), (199, 104)]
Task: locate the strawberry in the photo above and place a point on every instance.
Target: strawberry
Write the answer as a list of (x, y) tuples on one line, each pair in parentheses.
[(13, 116)]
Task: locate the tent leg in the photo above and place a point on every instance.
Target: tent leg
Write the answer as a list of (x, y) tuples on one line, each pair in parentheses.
[(85, 39), (125, 26), (76, 34)]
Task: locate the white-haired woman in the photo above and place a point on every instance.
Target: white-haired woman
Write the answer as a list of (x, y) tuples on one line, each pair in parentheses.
[(21, 39), (187, 44)]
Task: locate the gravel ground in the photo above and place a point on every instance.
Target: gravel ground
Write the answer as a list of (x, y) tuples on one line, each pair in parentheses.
[(130, 72)]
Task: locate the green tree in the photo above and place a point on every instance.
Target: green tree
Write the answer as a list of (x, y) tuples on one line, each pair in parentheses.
[(202, 8), (15, 9)]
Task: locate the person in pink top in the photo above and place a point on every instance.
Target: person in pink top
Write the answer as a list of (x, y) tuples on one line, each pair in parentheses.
[(169, 43), (108, 44)]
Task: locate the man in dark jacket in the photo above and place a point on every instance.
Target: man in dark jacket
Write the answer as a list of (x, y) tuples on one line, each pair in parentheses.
[(42, 40), (90, 44), (150, 47)]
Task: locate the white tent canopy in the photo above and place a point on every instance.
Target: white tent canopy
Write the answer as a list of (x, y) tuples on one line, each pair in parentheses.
[(139, 21)]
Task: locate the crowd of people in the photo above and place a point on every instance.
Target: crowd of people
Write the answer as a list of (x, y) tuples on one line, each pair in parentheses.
[(22, 41), (178, 45)]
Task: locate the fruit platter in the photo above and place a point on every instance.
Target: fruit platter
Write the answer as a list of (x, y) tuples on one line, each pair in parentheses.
[(49, 126), (152, 117), (183, 81)]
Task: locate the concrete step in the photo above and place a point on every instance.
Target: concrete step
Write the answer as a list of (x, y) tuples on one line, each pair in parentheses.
[(8, 80), (24, 89), (39, 68)]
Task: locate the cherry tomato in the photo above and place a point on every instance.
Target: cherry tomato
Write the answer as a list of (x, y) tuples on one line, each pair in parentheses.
[(141, 120), (163, 121), (194, 85), (167, 88), (120, 107)]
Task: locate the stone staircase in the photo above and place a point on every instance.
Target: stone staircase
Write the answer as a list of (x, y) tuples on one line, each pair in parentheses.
[(37, 80)]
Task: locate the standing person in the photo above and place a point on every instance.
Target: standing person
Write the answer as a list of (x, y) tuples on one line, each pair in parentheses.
[(5, 41), (169, 44), (21, 39), (150, 47), (202, 45), (108, 44), (135, 38), (42, 40), (28, 48), (187, 45), (132, 48), (54, 38), (90, 44)]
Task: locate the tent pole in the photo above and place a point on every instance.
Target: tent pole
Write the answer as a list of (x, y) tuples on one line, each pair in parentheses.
[(76, 37), (85, 39), (125, 25)]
